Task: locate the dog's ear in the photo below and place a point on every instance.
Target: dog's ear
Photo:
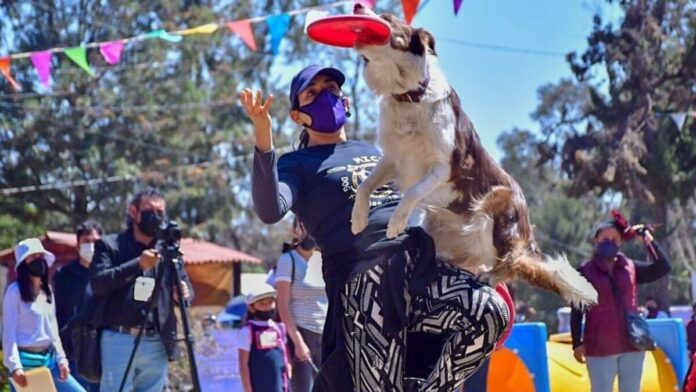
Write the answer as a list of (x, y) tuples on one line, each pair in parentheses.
[(420, 40)]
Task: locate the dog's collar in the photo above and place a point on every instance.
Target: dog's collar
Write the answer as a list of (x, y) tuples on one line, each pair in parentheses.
[(414, 95)]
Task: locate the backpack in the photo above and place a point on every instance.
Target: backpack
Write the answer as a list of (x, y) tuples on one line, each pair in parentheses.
[(271, 276)]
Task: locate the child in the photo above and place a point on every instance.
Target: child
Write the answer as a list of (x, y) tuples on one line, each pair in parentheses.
[(30, 336), (263, 360)]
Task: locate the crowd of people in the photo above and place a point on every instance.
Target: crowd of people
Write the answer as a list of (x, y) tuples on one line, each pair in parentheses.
[(381, 323), (108, 287)]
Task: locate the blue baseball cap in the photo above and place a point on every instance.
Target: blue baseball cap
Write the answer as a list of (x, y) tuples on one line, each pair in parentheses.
[(303, 78)]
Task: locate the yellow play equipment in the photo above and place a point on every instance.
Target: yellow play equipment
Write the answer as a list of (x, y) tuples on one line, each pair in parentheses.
[(509, 373)]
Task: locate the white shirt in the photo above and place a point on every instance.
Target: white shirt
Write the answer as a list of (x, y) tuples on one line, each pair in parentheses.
[(308, 303), (28, 325)]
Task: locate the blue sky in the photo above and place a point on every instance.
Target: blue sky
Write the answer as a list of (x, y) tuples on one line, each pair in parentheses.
[(498, 88)]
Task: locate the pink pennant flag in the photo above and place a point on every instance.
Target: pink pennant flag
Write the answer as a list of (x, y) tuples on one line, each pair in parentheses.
[(42, 63), (457, 5), (111, 51), (243, 29)]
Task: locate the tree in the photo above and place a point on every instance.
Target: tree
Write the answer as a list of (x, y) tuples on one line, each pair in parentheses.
[(618, 139), (562, 223), (167, 115)]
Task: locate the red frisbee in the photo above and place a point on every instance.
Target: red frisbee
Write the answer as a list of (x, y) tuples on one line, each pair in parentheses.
[(345, 30)]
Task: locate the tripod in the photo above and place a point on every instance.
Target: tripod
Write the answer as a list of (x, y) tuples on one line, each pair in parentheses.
[(171, 259)]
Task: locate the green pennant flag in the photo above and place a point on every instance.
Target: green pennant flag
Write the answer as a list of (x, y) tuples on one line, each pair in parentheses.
[(78, 55)]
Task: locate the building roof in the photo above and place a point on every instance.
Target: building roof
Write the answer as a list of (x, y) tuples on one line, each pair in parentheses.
[(64, 246)]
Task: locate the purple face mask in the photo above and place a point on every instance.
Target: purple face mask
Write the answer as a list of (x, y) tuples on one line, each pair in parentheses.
[(607, 249), (327, 111)]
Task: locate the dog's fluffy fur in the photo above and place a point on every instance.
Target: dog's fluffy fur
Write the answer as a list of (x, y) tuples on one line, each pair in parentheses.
[(475, 212)]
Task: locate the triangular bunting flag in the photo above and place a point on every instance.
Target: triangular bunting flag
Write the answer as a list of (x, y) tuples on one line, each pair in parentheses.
[(312, 16), (111, 51), (243, 29), (410, 8), (679, 119), (42, 64), (457, 5), (277, 25), (5, 69), (204, 29), (78, 55), (162, 34)]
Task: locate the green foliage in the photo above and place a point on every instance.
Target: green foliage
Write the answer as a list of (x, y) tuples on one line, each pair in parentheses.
[(608, 141), (167, 115)]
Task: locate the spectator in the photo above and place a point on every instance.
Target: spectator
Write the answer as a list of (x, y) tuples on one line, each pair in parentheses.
[(653, 311), (122, 261), (302, 308), (70, 283), (604, 345), (30, 334), (263, 357)]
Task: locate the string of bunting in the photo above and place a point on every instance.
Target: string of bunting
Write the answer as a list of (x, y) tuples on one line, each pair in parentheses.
[(111, 51)]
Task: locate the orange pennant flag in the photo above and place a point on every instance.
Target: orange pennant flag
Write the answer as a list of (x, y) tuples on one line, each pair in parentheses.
[(243, 29), (410, 8), (5, 69)]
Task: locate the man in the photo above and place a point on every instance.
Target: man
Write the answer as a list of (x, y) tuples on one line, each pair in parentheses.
[(122, 278), (70, 283)]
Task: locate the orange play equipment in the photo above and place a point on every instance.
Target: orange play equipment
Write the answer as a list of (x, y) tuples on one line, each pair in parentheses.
[(508, 372)]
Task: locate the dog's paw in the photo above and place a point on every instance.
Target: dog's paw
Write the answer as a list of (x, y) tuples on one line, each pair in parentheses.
[(359, 216), (397, 224)]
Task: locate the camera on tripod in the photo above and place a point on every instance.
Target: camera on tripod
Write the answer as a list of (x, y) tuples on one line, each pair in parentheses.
[(168, 231)]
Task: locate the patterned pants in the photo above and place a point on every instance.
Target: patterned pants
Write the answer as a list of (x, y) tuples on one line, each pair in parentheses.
[(466, 315)]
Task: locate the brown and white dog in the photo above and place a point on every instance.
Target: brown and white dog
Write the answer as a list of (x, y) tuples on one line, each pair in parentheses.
[(475, 212)]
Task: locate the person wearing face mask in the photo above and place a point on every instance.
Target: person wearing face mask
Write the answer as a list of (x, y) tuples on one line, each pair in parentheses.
[(262, 342), (122, 279), (302, 308), (378, 290), (70, 284), (30, 336), (604, 344)]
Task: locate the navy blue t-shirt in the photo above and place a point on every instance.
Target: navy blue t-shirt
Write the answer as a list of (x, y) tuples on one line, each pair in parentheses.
[(318, 184)]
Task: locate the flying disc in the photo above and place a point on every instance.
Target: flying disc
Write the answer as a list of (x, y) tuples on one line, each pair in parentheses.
[(346, 30)]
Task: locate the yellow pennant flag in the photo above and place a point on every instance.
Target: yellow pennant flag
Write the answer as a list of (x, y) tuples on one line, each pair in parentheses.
[(204, 29)]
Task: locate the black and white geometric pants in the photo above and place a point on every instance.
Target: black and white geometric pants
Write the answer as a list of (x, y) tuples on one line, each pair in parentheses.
[(468, 316)]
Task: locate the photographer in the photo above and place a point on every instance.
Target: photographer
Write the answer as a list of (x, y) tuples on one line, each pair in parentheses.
[(605, 344), (122, 277)]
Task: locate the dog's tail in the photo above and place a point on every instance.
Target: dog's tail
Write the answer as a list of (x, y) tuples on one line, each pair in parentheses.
[(552, 273)]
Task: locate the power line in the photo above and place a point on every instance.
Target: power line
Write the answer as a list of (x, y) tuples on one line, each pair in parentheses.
[(501, 48), (120, 67), (96, 109), (129, 177)]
